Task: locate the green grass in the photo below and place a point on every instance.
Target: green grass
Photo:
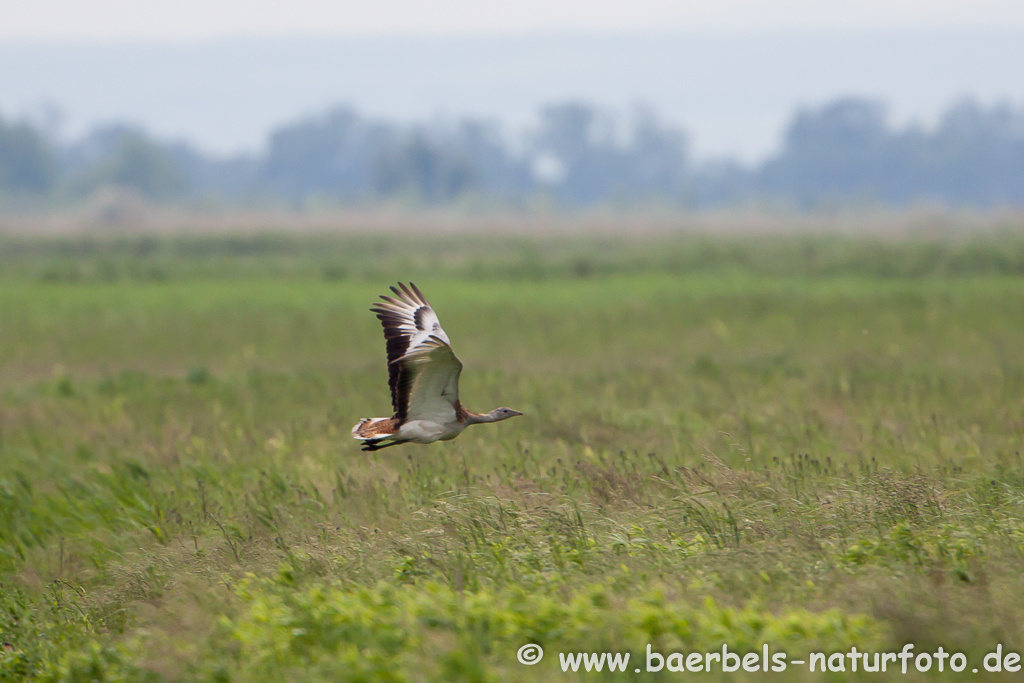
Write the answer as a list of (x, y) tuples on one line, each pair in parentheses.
[(808, 442)]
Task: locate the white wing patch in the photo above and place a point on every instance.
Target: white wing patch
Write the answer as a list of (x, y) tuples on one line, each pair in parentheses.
[(423, 371), (410, 315)]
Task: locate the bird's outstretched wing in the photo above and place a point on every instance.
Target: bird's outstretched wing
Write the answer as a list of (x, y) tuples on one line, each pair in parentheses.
[(423, 371)]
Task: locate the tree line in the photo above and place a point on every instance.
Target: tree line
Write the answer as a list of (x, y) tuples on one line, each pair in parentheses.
[(842, 153)]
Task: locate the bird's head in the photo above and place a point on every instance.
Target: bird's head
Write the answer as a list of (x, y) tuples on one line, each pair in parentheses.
[(499, 414)]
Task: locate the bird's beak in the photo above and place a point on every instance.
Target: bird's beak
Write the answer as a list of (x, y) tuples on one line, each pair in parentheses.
[(516, 413)]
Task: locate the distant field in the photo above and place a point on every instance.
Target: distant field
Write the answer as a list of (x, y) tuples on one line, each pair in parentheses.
[(809, 442)]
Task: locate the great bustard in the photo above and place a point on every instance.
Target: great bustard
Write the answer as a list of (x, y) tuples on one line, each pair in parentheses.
[(423, 374)]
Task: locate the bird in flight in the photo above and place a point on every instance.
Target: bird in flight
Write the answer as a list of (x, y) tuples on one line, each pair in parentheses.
[(423, 374)]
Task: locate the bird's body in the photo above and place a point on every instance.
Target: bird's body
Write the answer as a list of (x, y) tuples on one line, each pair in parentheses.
[(423, 374), (416, 431)]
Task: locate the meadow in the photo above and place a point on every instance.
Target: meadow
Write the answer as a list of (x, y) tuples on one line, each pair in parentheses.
[(807, 441)]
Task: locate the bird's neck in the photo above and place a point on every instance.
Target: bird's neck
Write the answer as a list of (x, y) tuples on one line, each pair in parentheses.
[(477, 418)]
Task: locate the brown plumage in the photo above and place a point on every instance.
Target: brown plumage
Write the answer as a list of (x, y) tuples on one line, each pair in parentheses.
[(369, 428)]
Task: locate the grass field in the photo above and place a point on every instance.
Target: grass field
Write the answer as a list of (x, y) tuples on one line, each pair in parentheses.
[(809, 442)]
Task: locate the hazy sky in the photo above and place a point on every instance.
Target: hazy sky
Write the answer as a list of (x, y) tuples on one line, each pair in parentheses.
[(191, 19), (223, 73)]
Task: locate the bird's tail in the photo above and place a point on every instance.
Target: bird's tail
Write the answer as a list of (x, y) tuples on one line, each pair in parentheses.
[(374, 428)]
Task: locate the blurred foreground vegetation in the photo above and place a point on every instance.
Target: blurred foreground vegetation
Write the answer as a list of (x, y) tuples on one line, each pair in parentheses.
[(811, 442)]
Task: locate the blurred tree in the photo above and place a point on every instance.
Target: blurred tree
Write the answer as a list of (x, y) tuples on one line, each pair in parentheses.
[(836, 152), (418, 166), (977, 156), (845, 152), (570, 144), (333, 154), (232, 179), (657, 158), (496, 171), (28, 164), (579, 159), (123, 157)]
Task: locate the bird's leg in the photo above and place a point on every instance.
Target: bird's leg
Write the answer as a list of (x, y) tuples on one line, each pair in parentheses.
[(376, 445)]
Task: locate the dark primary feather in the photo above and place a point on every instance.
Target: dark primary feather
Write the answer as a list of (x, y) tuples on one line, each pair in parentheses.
[(405, 375), (397, 344), (401, 375)]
